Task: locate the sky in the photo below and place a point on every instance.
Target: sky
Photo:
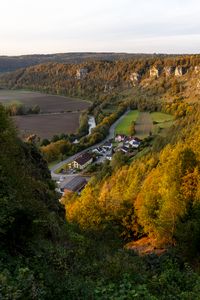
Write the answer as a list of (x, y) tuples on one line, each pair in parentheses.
[(133, 26)]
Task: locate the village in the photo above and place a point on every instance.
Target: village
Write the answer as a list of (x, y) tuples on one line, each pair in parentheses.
[(75, 175)]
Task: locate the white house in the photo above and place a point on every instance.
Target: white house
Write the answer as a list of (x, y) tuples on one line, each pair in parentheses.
[(82, 161)]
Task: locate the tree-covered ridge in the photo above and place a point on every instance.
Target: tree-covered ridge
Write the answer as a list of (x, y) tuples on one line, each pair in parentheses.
[(27, 193), (107, 76), (11, 63)]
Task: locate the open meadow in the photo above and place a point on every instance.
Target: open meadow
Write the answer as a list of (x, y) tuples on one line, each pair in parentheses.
[(124, 126), (145, 123)]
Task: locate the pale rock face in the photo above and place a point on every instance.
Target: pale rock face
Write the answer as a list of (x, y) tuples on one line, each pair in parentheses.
[(81, 73), (154, 72), (179, 71), (198, 84), (168, 71), (134, 77), (197, 69)]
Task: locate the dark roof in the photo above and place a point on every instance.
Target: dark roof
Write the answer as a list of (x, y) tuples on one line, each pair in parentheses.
[(124, 148), (107, 144), (76, 184), (137, 139), (82, 159)]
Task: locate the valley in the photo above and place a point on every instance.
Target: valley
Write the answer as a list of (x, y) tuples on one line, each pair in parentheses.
[(120, 219)]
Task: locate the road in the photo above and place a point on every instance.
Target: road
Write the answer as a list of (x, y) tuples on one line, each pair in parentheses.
[(69, 159)]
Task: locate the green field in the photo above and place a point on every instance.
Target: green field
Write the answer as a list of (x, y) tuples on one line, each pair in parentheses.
[(160, 117), (162, 121), (144, 123), (123, 126)]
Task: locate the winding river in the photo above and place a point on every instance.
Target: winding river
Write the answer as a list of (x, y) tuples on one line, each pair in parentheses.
[(91, 123)]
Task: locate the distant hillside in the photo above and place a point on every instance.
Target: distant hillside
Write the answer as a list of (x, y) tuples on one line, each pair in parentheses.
[(11, 63), (166, 78)]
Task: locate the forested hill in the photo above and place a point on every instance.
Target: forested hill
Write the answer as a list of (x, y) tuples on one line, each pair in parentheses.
[(164, 77), (11, 63)]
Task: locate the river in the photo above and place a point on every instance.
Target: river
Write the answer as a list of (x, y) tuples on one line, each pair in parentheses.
[(91, 123)]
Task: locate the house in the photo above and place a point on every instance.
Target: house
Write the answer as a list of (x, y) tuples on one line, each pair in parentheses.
[(124, 149), (82, 161), (75, 185), (107, 146), (134, 143), (75, 141), (120, 137), (109, 157), (96, 150), (137, 139)]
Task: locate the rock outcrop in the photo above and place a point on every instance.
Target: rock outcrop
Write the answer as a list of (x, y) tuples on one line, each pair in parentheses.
[(180, 71), (198, 84), (135, 78), (169, 71), (81, 73), (197, 69), (155, 72)]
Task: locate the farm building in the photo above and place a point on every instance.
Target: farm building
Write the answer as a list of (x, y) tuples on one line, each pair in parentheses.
[(82, 161), (74, 185)]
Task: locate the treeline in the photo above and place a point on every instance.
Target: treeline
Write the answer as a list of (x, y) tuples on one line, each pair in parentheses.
[(17, 108)]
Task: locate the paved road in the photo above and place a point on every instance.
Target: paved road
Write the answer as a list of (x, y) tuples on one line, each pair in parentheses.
[(69, 159)]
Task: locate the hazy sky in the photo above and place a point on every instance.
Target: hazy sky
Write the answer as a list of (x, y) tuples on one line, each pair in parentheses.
[(49, 26)]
